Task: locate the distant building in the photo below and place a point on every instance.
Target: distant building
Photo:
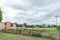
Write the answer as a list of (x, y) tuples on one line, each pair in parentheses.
[(7, 25)]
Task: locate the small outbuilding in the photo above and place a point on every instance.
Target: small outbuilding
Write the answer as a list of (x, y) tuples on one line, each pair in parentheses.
[(7, 25)]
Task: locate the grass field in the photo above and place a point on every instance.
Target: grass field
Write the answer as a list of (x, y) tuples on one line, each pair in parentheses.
[(50, 30), (8, 36)]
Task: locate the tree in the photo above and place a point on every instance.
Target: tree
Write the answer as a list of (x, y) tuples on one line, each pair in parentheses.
[(54, 26), (25, 24), (49, 26), (0, 15)]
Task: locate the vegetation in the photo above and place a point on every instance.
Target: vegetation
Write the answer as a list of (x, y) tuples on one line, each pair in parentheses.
[(35, 32), (49, 30), (7, 36), (36, 26), (58, 29), (0, 15)]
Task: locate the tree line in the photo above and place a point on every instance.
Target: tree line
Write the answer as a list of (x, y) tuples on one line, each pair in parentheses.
[(33, 26)]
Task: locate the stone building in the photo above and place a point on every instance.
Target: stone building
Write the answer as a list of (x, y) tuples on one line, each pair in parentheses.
[(7, 25)]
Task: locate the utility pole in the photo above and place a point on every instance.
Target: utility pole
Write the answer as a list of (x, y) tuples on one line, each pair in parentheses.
[(58, 29), (56, 21)]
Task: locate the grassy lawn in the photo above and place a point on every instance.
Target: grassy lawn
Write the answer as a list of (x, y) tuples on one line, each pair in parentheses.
[(7, 36)]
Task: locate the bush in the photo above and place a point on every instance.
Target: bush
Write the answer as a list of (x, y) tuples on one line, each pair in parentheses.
[(36, 34), (3, 30)]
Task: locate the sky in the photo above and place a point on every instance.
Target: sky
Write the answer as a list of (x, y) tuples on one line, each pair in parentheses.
[(31, 11)]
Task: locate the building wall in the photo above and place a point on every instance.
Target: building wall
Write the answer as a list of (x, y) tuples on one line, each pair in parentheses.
[(2, 25), (13, 27), (7, 25)]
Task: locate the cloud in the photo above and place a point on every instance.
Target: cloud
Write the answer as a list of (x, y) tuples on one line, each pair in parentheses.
[(31, 11), (18, 4)]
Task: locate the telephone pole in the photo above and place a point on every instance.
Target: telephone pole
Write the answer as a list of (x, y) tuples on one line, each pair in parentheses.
[(56, 21), (58, 29)]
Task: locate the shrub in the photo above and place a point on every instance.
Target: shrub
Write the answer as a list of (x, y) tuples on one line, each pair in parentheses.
[(36, 34)]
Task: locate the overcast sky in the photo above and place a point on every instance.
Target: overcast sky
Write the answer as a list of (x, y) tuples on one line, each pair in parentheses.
[(31, 11)]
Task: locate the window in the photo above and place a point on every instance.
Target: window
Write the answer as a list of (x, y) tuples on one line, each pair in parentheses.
[(11, 24)]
